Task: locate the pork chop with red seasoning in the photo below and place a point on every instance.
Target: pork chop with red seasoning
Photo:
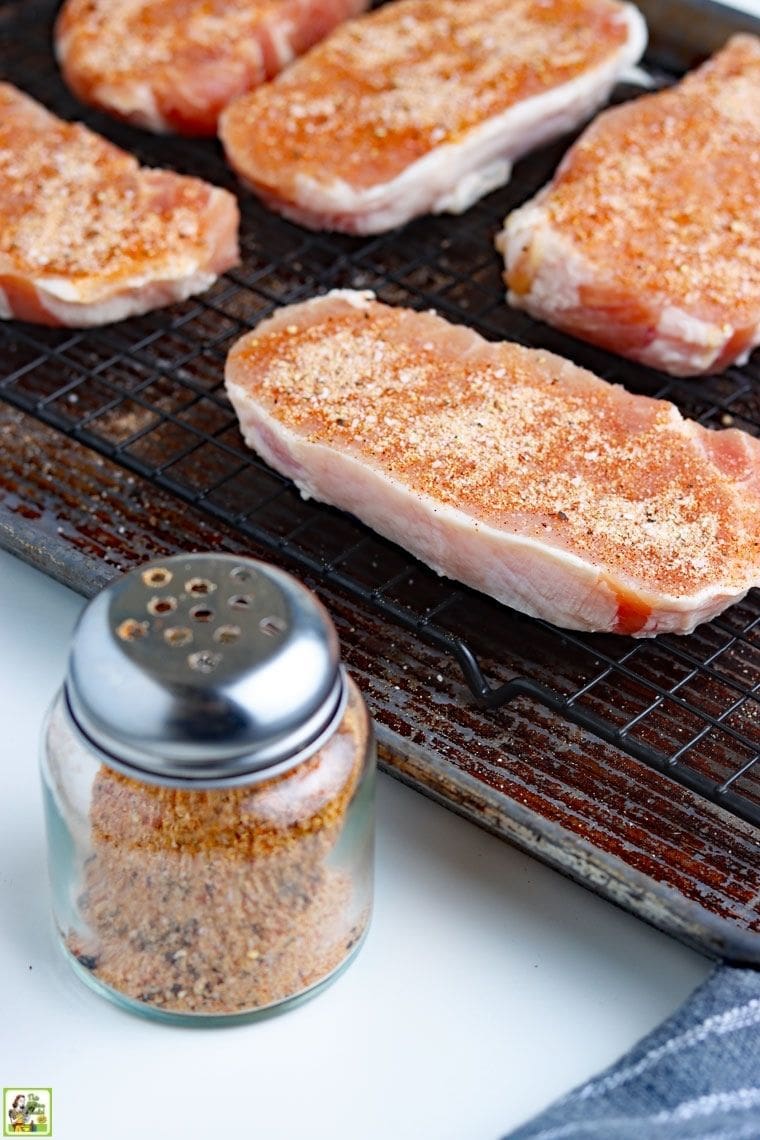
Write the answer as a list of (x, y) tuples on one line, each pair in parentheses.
[(172, 65), (647, 241), (87, 236), (423, 106), (507, 468)]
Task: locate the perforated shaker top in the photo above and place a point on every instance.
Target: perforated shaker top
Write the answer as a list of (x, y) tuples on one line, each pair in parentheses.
[(205, 669)]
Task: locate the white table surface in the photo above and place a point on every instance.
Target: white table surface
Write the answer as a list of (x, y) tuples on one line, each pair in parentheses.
[(488, 986)]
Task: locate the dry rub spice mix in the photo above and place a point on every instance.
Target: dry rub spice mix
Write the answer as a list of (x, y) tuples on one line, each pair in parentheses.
[(189, 902)]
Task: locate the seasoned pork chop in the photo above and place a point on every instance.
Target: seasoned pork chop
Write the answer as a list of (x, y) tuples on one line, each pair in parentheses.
[(172, 65), (507, 468), (87, 236), (423, 106), (647, 242)]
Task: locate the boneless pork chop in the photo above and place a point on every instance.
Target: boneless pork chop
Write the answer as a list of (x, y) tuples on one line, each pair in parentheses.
[(423, 106), (172, 65), (647, 242), (507, 468), (87, 236)]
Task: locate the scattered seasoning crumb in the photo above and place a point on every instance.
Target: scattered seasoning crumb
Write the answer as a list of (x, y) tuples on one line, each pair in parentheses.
[(222, 901)]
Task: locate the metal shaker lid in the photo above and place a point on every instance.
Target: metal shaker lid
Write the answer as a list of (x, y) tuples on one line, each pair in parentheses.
[(204, 670)]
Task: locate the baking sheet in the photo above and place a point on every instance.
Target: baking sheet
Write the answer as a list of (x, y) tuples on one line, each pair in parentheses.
[(128, 397)]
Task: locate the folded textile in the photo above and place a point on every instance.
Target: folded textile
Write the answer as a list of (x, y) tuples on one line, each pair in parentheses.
[(696, 1076)]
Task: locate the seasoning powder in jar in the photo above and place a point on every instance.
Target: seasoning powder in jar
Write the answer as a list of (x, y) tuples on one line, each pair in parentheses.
[(209, 774)]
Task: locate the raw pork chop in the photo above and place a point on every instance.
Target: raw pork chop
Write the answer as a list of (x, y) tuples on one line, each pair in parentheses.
[(507, 468), (647, 242), (87, 236), (423, 105), (172, 65)]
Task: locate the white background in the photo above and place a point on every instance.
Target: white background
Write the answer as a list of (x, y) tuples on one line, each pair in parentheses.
[(488, 985)]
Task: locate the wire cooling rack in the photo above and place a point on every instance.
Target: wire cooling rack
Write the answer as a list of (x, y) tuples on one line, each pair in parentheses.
[(148, 393)]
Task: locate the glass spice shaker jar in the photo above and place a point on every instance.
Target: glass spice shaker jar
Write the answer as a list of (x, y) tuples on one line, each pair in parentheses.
[(208, 769)]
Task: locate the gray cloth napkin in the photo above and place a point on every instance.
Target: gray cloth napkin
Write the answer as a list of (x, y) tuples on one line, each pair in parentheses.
[(696, 1076)]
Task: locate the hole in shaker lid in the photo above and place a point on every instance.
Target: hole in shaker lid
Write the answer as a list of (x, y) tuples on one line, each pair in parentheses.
[(227, 634), (204, 661), (200, 586), (162, 605), (131, 630), (272, 625), (241, 574), (157, 576), (178, 635), (201, 613), (240, 601)]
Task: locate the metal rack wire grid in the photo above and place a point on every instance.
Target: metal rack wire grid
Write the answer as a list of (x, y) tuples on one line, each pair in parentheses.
[(148, 393)]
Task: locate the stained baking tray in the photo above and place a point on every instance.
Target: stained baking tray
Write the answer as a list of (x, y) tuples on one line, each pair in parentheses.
[(632, 766)]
